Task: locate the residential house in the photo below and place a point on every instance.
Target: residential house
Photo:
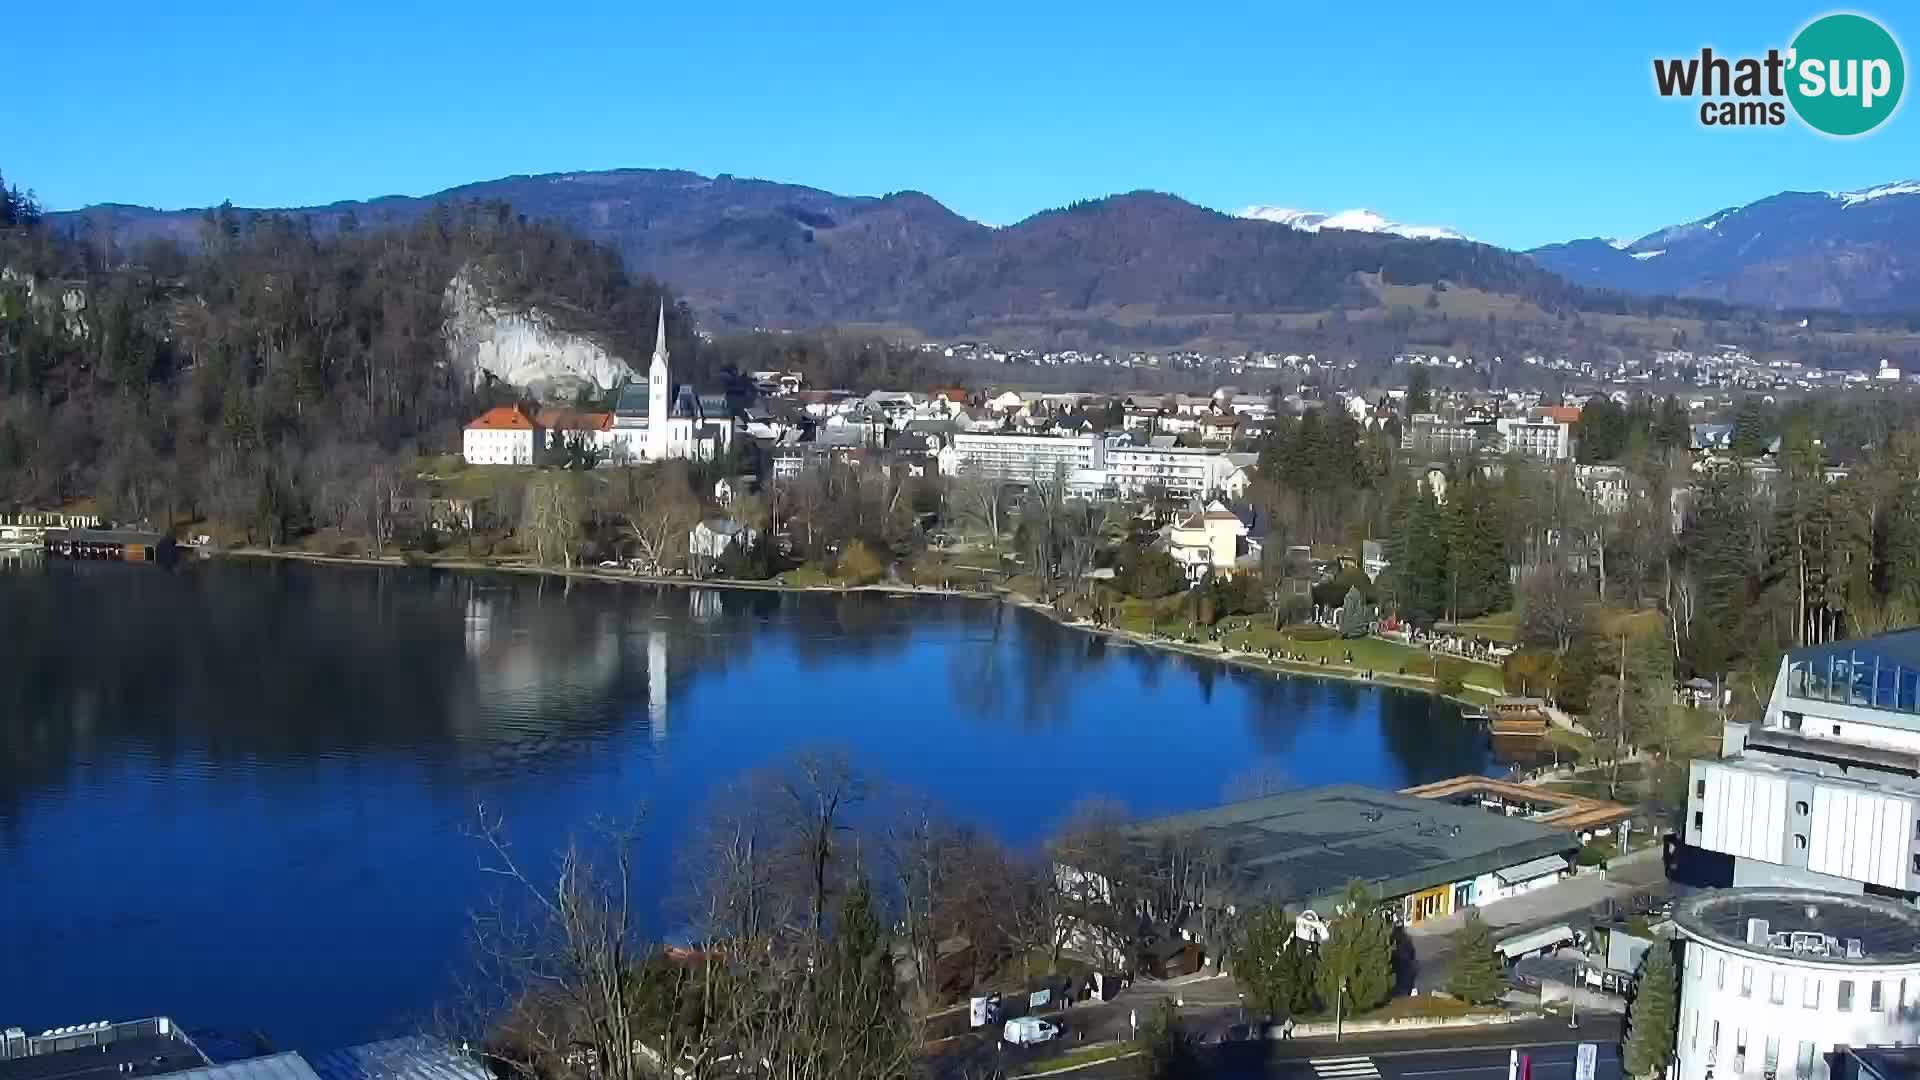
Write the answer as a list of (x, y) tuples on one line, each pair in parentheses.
[(1211, 540), (710, 540)]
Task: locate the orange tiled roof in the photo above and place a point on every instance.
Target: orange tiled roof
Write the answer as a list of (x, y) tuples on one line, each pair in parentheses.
[(569, 420), (1565, 414), (502, 418)]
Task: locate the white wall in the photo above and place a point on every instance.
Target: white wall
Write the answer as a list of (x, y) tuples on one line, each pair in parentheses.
[(1744, 812), (1860, 835), (1738, 991)]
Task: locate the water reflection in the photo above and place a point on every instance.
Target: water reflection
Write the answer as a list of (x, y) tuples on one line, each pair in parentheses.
[(242, 785)]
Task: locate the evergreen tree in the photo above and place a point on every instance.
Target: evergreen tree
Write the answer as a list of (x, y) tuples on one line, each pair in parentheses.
[(1651, 1021), (1357, 958), (1752, 429), (1671, 428), (1419, 391), (1275, 965), (1477, 977)]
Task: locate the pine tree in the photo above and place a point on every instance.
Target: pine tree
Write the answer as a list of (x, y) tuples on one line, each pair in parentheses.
[(1276, 966), (1357, 959), (1476, 977), (1650, 1023)]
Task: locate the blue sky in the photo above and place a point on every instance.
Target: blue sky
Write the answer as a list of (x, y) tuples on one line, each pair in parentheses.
[(1517, 123)]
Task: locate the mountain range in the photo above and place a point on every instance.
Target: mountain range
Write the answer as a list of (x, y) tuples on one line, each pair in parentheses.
[(1856, 251), (1141, 267)]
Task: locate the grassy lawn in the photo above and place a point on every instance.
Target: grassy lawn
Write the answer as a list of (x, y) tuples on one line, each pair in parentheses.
[(1499, 626)]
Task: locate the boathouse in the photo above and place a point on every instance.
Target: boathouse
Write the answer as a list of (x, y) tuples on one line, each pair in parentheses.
[(110, 545)]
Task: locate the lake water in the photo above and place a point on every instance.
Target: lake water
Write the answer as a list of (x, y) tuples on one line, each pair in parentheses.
[(237, 792)]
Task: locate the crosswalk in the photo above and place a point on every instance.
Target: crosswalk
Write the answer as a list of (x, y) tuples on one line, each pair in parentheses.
[(1344, 1068)]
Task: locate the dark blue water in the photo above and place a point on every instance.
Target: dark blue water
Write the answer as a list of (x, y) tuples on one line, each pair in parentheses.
[(239, 793)]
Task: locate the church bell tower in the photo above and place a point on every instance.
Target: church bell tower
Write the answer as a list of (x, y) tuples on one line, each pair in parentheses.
[(658, 393)]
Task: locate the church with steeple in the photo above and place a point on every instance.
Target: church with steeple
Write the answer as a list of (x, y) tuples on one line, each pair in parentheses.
[(655, 420)]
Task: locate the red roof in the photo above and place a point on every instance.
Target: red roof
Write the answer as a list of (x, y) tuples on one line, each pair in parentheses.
[(569, 420), (502, 418), (1566, 414)]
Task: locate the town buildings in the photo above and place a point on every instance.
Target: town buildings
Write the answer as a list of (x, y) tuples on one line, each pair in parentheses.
[(1825, 791), (1773, 982), (650, 421)]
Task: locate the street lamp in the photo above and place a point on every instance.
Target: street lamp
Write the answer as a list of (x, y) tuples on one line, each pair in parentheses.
[(1337, 1000)]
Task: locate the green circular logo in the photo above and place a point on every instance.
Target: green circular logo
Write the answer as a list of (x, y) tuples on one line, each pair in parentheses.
[(1847, 74)]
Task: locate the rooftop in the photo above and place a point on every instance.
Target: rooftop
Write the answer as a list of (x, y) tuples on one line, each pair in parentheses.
[(501, 418), (1302, 847), (1804, 924), (1567, 810), (100, 1052), (413, 1058)]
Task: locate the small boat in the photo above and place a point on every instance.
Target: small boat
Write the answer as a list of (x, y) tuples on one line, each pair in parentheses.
[(1477, 715)]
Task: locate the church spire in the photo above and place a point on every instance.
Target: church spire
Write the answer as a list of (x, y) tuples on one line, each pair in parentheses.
[(660, 339)]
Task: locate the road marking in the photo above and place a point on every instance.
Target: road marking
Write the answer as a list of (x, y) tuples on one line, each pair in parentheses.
[(1343, 1068)]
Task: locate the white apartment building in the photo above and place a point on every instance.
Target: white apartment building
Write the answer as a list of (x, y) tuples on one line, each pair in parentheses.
[(1021, 458), (1825, 792), (1180, 471), (1773, 981), (1536, 437)]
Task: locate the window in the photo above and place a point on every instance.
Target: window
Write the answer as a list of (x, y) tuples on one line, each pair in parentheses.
[(1720, 975), (1700, 789), (1803, 1068), (1800, 841), (1771, 1063), (1874, 1002), (1836, 729), (1801, 808), (1740, 1050), (1713, 1047), (1845, 997), (1693, 1029), (1916, 858), (1777, 989), (1810, 993), (1746, 980), (1698, 819)]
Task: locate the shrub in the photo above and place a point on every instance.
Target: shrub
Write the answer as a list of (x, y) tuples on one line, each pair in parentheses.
[(1451, 677), (860, 565)]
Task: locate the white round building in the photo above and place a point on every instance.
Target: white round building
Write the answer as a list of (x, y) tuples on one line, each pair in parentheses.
[(1772, 981)]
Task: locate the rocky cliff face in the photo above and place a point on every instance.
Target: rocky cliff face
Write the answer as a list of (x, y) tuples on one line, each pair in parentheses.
[(522, 348)]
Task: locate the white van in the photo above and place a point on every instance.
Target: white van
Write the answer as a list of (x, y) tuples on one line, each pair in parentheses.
[(1029, 1029)]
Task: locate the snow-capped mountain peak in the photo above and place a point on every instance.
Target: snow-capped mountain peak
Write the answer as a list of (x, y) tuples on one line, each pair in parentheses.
[(1356, 220), (1853, 198)]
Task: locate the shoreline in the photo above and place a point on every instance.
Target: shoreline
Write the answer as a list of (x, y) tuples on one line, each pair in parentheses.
[(1248, 661)]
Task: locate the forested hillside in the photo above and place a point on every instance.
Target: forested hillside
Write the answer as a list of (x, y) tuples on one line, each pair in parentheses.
[(249, 374)]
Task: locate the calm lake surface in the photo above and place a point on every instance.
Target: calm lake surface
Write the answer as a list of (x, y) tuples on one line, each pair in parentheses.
[(237, 792)]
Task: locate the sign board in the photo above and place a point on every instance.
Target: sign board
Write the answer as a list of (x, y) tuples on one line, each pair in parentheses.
[(977, 1012), (1589, 1060), (1039, 998)]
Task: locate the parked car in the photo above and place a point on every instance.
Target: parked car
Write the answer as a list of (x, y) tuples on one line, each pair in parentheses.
[(1028, 1030)]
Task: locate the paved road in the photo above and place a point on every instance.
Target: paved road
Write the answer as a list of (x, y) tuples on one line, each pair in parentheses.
[(1454, 1054)]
